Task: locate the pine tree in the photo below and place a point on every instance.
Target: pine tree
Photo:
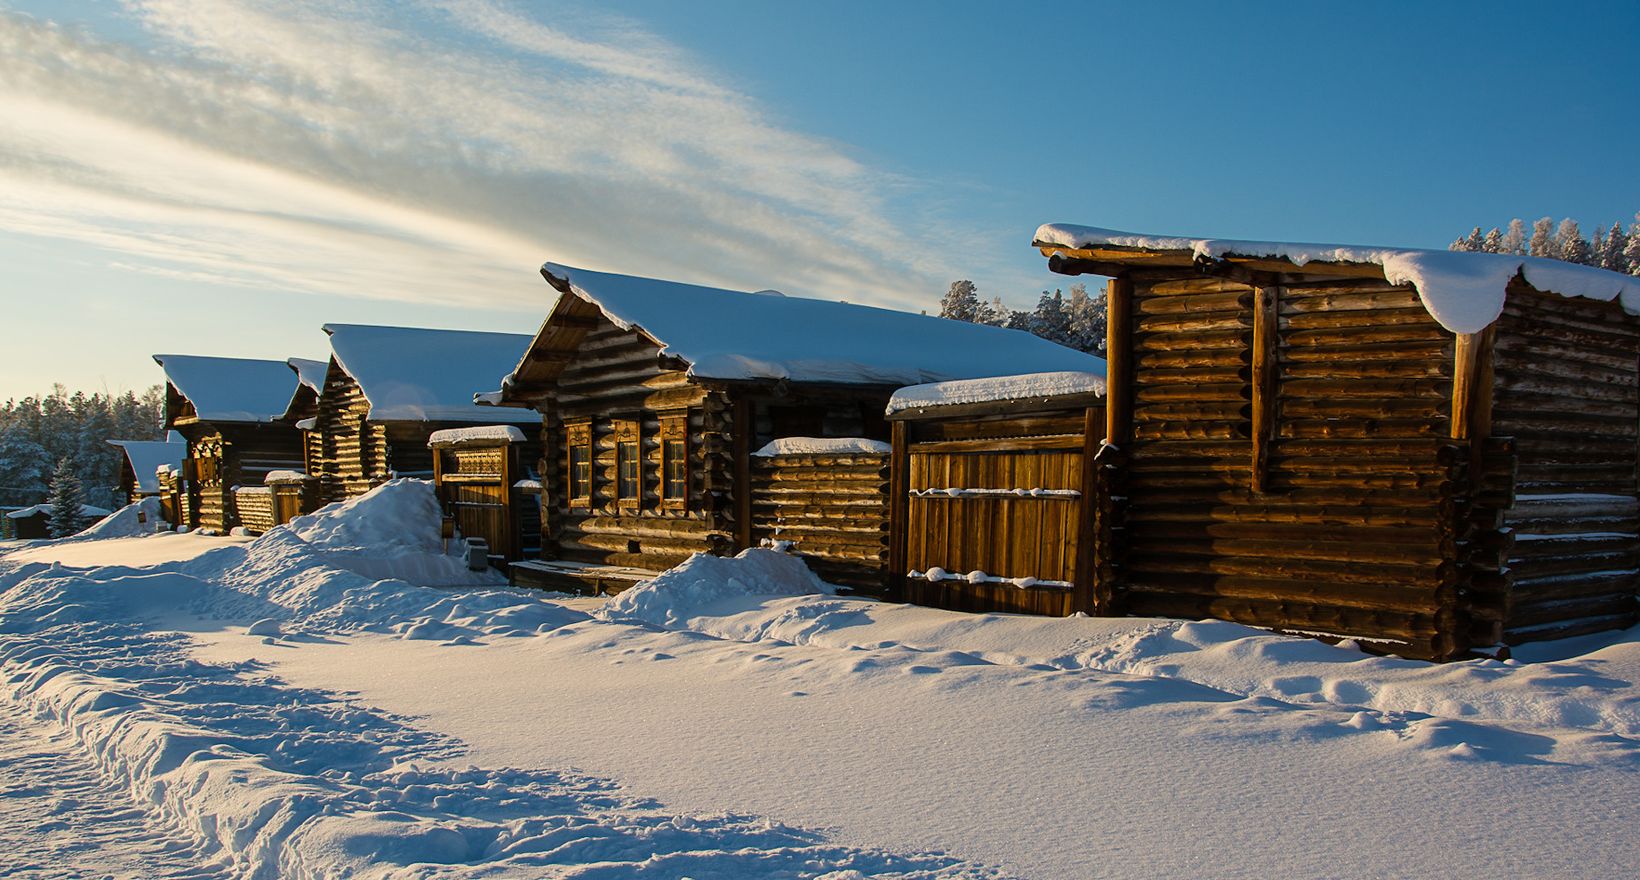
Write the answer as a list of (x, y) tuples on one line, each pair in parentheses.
[(1050, 320), (994, 313), (1493, 243), (1632, 250), (961, 302), (67, 499), (1087, 319), (1543, 238), (1613, 248), (1570, 245), (1514, 241), (23, 464)]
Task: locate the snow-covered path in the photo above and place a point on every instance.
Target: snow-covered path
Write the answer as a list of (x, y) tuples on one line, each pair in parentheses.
[(62, 819), (300, 711)]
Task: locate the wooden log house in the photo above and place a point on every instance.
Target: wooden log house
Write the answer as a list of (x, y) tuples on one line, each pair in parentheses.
[(140, 463), (388, 389), (1430, 452), (230, 411), (997, 503), (655, 394), (33, 523)]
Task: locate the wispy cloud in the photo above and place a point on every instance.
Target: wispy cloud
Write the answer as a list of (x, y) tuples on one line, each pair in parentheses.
[(434, 153)]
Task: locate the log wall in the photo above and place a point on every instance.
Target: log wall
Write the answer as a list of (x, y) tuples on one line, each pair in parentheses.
[(833, 508), (1288, 460), (354, 451), (254, 506), (1568, 393)]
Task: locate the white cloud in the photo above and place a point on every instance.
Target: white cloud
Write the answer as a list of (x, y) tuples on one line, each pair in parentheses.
[(436, 154)]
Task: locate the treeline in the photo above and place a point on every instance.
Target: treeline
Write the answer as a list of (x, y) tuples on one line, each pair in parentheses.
[(38, 434), (1612, 248), (1077, 320)]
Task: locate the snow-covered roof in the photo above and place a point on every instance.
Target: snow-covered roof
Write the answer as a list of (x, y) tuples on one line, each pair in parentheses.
[(414, 374), (273, 478), (822, 446), (1462, 290), (310, 372), (731, 335), (231, 389), (1043, 387), (86, 510), (477, 434), (148, 456)]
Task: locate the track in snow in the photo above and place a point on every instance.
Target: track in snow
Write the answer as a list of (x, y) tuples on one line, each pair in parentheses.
[(59, 819)]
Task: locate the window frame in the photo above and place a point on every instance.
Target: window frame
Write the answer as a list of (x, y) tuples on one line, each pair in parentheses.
[(674, 429), (628, 437), (578, 436)]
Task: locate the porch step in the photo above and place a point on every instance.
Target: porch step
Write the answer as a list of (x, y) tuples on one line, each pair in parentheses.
[(583, 578)]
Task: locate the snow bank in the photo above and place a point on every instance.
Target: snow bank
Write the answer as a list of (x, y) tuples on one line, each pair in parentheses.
[(140, 517), (1463, 291), (478, 434), (822, 446), (1031, 386), (704, 582), (725, 334)]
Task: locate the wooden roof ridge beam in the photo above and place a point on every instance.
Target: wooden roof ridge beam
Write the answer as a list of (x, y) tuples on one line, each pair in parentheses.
[(1101, 260)]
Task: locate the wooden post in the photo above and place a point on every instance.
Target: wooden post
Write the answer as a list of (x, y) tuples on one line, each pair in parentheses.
[(741, 449), (899, 487), (1118, 361), (1265, 331), (1472, 393), (1085, 595)]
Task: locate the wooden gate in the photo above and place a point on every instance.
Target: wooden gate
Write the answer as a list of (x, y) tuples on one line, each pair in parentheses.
[(995, 530), (475, 485)]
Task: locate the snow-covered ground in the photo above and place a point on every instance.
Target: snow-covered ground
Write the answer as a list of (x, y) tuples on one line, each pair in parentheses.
[(302, 705)]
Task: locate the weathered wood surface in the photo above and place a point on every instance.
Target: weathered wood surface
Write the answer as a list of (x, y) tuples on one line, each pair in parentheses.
[(834, 508)]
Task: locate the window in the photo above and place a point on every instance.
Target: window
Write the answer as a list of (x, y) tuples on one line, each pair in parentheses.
[(628, 465), (578, 443), (675, 461)]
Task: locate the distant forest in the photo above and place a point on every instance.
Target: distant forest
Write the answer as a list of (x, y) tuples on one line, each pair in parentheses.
[(1612, 248), (1077, 320), (37, 433)]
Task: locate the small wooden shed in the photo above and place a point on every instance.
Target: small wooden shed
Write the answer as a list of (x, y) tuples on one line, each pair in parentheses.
[(388, 389), (996, 493), (1431, 452), (486, 483), (655, 394), (141, 461), (230, 411), (34, 522)]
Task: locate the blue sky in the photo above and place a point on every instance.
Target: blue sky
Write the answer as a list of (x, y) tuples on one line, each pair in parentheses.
[(224, 176)]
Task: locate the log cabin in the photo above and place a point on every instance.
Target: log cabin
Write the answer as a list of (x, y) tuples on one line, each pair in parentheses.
[(303, 411), (654, 395), (996, 498), (230, 411), (141, 461), (388, 389), (1432, 453), (33, 523)]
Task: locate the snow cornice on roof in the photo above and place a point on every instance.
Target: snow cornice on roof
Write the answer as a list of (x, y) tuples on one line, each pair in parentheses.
[(224, 389), (1463, 291)]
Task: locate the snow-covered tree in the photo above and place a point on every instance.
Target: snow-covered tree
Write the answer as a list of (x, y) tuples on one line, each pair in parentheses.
[(1542, 243), (1611, 255), (1514, 240), (1087, 319), (1470, 242), (67, 498), (1050, 320), (961, 302), (993, 313), (1570, 245), (24, 464), (1493, 242), (1632, 249)]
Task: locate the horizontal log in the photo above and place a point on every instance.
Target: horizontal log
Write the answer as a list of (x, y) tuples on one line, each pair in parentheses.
[(1204, 391), (1230, 340), (1232, 301), (1415, 317), (1192, 286), (1427, 515), (1363, 351), (1299, 429), (1426, 554), (1185, 430), (1426, 334), (1232, 356), (1191, 378), (1351, 387), (1383, 616), (1299, 300)]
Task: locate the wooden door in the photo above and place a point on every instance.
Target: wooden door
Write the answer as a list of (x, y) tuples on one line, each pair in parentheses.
[(991, 520)]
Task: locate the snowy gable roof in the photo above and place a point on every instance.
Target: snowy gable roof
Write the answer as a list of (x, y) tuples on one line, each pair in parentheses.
[(86, 510), (1463, 291), (310, 372), (147, 456), (231, 389), (730, 335), (413, 374)]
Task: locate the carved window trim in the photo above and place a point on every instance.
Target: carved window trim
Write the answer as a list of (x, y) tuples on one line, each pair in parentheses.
[(675, 472), (628, 464), (578, 463)]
